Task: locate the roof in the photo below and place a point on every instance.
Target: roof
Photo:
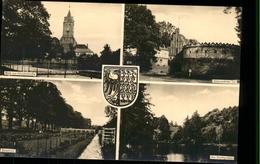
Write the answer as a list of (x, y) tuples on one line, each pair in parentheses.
[(69, 14), (81, 46), (85, 47)]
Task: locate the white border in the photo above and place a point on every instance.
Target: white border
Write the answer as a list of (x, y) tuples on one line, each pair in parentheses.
[(122, 33), (49, 78)]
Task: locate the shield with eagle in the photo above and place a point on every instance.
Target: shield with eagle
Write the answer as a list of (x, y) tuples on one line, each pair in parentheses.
[(120, 84)]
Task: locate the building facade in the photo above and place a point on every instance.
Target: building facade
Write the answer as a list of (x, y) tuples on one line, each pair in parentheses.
[(178, 41), (161, 65), (67, 40), (82, 49), (216, 59)]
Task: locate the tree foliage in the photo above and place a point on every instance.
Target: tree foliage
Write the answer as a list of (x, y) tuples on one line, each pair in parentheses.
[(214, 127), (136, 122), (238, 11), (24, 26), (110, 57), (162, 127), (37, 103), (166, 30), (89, 62), (141, 32)]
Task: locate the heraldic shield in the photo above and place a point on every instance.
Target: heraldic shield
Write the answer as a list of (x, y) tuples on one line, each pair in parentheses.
[(120, 84)]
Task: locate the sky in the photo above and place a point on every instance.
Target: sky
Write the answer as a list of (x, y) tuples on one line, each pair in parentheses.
[(203, 23), (95, 24), (84, 97), (177, 102)]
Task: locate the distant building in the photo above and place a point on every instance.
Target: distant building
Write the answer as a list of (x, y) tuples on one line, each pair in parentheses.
[(211, 51), (67, 40), (82, 49), (178, 41), (130, 56), (210, 58), (161, 65)]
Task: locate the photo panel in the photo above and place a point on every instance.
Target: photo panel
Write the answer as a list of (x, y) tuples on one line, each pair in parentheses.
[(181, 123), (178, 43), (55, 119), (60, 39), (106, 81)]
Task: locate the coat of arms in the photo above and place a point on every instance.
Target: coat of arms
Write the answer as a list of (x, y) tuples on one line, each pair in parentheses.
[(120, 84)]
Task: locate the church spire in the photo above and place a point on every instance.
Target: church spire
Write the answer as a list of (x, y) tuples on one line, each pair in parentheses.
[(69, 14)]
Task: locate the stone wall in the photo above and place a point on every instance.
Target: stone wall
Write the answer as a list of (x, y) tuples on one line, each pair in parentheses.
[(212, 51), (211, 61)]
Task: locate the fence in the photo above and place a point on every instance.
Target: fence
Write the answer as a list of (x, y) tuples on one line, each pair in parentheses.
[(108, 136), (42, 145), (43, 66)]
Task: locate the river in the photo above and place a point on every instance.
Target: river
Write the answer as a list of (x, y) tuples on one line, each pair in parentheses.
[(200, 154)]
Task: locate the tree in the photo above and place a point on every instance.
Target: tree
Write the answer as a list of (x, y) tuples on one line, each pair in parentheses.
[(192, 129), (141, 32), (136, 123), (56, 48), (110, 57), (166, 30), (24, 26), (37, 102), (89, 62), (238, 11), (163, 126)]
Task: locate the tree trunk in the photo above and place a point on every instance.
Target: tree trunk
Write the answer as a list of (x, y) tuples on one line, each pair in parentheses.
[(20, 119), (28, 122), (44, 126), (1, 126), (35, 124), (20, 122), (10, 122)]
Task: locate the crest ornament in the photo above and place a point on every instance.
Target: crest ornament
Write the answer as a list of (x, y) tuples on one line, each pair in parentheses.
[(120, 84)]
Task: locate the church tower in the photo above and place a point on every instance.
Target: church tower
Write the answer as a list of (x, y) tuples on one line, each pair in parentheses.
[(67, 40)]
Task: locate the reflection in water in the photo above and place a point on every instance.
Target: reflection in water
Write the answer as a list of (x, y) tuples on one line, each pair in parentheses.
[(175, 157), (197, 154)]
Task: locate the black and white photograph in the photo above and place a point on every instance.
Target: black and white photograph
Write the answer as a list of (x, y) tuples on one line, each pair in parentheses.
[(176, 43), (60, 39), (114, 81), (55, 119), (181, 123)]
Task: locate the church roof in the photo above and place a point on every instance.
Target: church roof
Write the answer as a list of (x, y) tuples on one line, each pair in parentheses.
[(84, 47), (69, 14), (81, 46)]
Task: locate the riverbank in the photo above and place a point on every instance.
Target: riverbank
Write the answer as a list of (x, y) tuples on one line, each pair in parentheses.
[(72, 151), (45, 145), (93, 150)]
